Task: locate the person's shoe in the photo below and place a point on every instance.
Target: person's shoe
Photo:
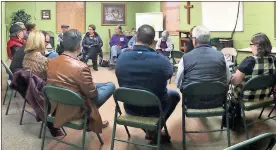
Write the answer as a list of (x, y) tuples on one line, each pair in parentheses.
[(105, 124), (153, 137), (55, 132), (95, 68)]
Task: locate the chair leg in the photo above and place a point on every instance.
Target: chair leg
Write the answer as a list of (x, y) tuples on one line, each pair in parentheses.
[(272, 110), (5, 94), (40, 132), (8, 107), (83, 138), (159, 136), (63, 131), (114, 130), (15, 93), (127, 132), (100, 139), (43, 135), (183, 130), (261, 113), (22, 113), (228, 130), (244, 122)]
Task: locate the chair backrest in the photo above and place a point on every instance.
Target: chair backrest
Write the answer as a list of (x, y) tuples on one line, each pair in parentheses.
[(176, 55), (213, 94), (262, 142), (260, 82), (61, 95), (136, 97), (8, 71), (229, 51)]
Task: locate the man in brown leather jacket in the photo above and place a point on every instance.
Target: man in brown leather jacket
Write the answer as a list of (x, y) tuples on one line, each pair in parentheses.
[(67, 71)]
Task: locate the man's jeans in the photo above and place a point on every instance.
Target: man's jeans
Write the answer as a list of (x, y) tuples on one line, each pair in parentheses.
[(105, 90), (168, 106), (114, 52)]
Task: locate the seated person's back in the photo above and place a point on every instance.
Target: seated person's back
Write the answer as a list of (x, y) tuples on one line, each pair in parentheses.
[(142, 68), (261, 63), (67, 71), (203, 64)]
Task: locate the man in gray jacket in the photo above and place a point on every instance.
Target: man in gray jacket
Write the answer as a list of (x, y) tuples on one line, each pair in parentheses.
[(203, 64)]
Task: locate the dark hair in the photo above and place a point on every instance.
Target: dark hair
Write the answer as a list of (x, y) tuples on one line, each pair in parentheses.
[(191, 31), (71, 40), (263, 44), (145, 34), (120, 27), (92, 26), (30, 26), (45, 33)]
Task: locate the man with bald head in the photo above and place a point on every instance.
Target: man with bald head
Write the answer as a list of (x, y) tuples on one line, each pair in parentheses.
[(142, 68)]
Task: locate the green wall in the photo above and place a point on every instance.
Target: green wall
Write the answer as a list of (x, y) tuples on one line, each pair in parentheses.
[(258, 17), (3, 31), (93, 16)]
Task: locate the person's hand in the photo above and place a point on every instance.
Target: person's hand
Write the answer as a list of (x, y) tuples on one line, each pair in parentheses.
[(118, 46), (131, 47)]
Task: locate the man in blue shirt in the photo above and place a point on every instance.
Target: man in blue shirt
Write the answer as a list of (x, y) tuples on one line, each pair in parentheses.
[(142, 68)]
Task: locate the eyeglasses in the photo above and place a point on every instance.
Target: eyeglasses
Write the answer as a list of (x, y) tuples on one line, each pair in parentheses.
[(252, 44), (47, 41)]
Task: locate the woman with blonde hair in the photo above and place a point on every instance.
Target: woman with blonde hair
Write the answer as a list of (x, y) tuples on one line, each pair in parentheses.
[(34, 60)]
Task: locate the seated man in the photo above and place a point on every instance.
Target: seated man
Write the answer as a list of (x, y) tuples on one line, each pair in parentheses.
[(67, 71), (147, 70), (164, 44), (202, 64)]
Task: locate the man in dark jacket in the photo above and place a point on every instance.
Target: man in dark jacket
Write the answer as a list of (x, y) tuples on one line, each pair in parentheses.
[(92, 44), (16, 40), (202, 64), (142, 68)]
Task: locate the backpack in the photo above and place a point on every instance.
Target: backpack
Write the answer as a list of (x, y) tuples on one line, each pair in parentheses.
[(104, 63)]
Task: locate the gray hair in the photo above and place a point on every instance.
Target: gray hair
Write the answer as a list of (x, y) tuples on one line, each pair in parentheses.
[(21, 24), (71, 40), (201, 34), (165, 34)]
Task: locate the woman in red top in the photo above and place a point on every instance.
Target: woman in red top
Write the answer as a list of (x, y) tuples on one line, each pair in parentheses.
[(16, 40)]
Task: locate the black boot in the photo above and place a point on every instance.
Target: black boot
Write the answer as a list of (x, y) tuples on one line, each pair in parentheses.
[(54, 131)]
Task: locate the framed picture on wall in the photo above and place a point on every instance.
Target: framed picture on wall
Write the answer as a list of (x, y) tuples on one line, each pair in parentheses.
[(45, 15), (113, 14)]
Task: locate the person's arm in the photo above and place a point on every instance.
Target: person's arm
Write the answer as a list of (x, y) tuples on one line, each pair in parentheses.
[(169, 45), (245, 68), (180, 74), (168, 67), (130, 43), (112, 41), (84, 45), (100, 42), (228, 73), (158, 44), (86, 83), (124, 43)]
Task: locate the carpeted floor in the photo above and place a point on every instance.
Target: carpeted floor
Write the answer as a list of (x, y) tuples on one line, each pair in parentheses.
[(25, 137)]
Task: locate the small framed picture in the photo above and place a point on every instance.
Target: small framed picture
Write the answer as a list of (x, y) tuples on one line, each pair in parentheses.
[(113, 14), (45, 15)]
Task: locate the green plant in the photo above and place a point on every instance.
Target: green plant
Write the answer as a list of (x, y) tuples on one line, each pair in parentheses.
[(20, 16)]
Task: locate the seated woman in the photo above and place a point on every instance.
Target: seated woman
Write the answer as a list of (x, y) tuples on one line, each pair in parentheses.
[(92, 44), (16, 40), (261, 63), (190, 45), (34, 60), (117, 43), (164, 44), (49, 52), (30, 27)]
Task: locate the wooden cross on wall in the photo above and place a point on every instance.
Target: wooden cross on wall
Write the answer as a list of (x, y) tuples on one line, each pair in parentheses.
[(188, 7)]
